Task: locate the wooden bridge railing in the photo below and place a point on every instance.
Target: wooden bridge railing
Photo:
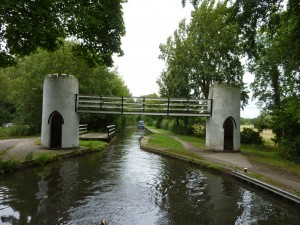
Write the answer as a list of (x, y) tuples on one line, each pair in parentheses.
[(83, 128), (143, 106), (111, 129)]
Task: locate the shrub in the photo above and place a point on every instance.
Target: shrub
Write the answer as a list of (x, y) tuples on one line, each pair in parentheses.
[(29, 157), (21, 130), (199, 130), (42, 159), (250, 136), (9, 166)]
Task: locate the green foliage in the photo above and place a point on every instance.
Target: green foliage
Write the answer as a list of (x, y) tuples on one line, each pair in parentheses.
[(199, 130), (29, 157), (93, 145), (26, 83), (250, 136), (9, 165), (270, 155), (246, 121), (3, 133), (271, 39), (6, 108), (201, 53), (287, 125), (18, 131), (44, 24), (263, 121), (21, 131), (164, 141), (42, 159)]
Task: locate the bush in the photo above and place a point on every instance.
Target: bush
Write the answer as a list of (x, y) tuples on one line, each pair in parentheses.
[(250, 136), (42, 159), (199, 130), (9, 166), (21, 131)]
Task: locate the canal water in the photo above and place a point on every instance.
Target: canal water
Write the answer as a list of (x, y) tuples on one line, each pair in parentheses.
[(128, 186)]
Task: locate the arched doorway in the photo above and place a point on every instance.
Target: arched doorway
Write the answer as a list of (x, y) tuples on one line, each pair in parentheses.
[(229, 126), (55, 121)]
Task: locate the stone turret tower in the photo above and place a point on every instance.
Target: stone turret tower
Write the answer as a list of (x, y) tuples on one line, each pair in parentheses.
[(223, 127), (60, 122)]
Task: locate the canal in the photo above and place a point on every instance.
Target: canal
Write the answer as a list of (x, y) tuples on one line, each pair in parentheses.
[(128, 186)]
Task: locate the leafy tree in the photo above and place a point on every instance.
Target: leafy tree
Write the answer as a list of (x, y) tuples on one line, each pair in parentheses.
[(287, 124), (27, 25), (263, 121), (271, 34), (6, 108), (201, 53), (26, 80), (174, 81)]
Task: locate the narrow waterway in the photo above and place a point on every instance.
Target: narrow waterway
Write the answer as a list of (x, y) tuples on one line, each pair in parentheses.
[(128, 186)]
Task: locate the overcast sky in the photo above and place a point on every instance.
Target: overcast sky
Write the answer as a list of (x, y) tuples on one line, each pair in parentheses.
[(149, 23)]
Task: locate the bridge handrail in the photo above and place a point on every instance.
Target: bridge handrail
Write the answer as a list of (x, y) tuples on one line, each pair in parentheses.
[(111, 129), (143, 105), (83, 128)]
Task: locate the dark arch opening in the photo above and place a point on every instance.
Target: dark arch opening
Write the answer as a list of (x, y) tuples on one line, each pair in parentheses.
[(229, 126), (56, 121)]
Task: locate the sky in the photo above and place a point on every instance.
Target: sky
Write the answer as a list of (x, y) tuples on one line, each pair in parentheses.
[(148, 24)]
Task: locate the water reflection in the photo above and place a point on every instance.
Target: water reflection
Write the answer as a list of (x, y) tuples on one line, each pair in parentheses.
[(126, 185)]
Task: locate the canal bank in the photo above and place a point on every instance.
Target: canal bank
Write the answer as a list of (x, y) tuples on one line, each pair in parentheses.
[(26, 152), (228, 162)]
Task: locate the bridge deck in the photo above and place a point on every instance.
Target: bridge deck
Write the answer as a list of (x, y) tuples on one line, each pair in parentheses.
[(143, 106)]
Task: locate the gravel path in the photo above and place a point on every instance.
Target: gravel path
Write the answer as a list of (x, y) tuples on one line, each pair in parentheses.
[(9, 143)]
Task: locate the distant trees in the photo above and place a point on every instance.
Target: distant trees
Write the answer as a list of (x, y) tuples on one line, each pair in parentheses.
[(97, 27), (25, 80)]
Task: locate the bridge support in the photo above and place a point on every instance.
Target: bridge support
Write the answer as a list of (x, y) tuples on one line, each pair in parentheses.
[(60, 122), (223, 127)]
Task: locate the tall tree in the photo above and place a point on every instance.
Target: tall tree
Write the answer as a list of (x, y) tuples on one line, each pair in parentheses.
[(204, 52), (27, 25), (26, 80)]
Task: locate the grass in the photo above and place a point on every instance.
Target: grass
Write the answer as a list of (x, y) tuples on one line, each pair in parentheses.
[(266, 154), (93, 145), (196, 141), (166, 142), (160, 140), (270, 156)]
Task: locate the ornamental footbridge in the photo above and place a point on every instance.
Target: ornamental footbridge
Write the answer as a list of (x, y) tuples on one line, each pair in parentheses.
[(143, 106), (62, 105)]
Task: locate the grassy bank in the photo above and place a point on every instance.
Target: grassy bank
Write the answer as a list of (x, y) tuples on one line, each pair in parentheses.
[(42, 157), (264, 154), (162, 141), (268, 156)]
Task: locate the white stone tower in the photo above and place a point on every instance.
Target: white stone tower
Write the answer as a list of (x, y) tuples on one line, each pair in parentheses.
[(60, 122), (223, 127)]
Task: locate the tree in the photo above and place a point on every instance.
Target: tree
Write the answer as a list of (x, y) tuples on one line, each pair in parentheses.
[(6, 108), (271, 34), (26, 80), (174, 81), (204, 52), (27, 25)]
